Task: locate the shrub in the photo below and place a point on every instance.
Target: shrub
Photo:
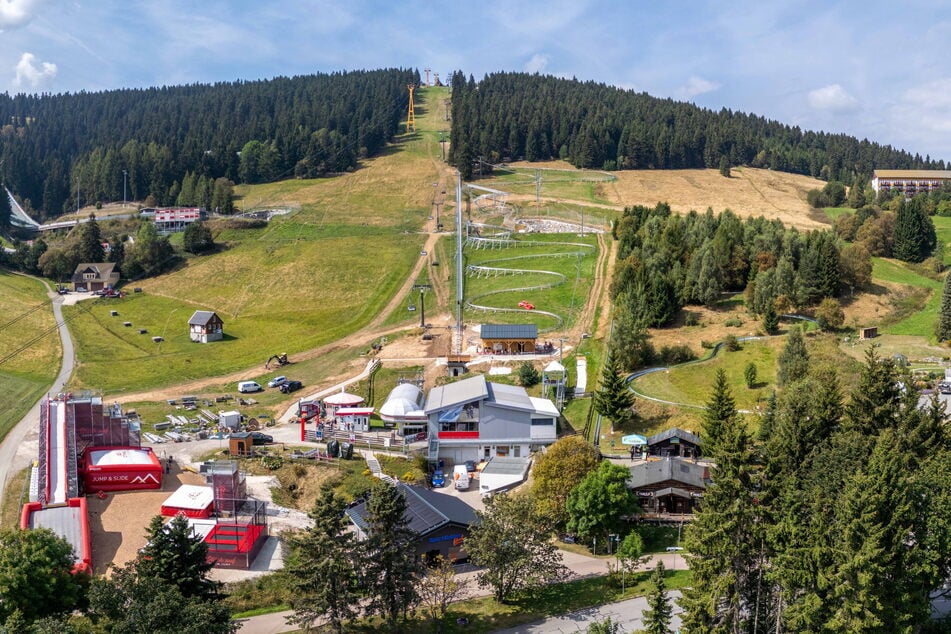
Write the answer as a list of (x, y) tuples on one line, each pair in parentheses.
[(528, 375), (733, 322), (691, 319), (672, 355), (731, 343), (707, 345)]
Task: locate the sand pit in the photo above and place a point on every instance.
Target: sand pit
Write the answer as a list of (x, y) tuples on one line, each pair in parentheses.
[(119, 522)]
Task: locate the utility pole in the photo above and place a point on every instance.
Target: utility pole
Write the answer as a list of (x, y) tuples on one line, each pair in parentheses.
[(422, 288)]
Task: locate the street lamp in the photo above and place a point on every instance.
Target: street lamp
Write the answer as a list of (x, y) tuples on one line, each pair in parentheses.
[(125, 175)]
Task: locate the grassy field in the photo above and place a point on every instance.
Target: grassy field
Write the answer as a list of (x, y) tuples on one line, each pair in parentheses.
[(566, 298), (835, 212), (691, 383), (25, 373), (308, 278), (748, 192), (921, 320)]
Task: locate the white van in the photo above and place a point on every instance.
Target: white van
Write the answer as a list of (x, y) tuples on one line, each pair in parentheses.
[(460, 477), (249, 386), (277, 381)]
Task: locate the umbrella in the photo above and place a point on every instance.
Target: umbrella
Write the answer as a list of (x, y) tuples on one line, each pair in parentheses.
[(633, 439)]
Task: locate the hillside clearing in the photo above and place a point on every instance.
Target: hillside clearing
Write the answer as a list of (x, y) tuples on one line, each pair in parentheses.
[(25, 373), (748, 192)]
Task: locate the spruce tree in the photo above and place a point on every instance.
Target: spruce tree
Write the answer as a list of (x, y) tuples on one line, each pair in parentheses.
[(323, 566), (6, 211), (390, 568), (175, 554), (794, 359), (613, 400), (90, 241), (724, 541), (658, 615), (770, 319), (944, 315)]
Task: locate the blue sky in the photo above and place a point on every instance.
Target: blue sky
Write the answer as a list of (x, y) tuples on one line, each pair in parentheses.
[(872, 69)]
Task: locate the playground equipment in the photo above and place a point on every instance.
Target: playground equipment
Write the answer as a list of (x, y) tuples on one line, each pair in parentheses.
[(280, 360)]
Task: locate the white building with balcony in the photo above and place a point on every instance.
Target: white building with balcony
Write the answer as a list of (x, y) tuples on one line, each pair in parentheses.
[(474, 419)]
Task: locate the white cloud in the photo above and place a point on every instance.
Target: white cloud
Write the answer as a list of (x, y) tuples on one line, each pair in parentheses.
[(15, 13), (833, 98), (697, 86), (537, 64), (30, 71)]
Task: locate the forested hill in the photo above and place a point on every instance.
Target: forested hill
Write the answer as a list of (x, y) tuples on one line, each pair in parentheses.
[(304, 126), (516, 115)]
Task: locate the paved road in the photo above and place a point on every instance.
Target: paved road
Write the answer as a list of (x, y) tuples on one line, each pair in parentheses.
[(629, 613), (580, 565), (13, 440)]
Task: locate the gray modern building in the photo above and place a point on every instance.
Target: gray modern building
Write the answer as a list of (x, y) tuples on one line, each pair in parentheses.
[(474, 419)]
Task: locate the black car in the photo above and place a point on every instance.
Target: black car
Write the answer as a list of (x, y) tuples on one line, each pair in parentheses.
[(291, 386), (258, 438)]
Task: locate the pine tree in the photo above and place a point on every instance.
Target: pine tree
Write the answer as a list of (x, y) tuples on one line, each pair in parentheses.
[(724, 541), (720, 413), (944, 315), (90, 241), (6, 211), (323, 566), (770, 319), (175, 554), (390, 568), (794, 359), (657, 617), (876, 400), (613, 400)]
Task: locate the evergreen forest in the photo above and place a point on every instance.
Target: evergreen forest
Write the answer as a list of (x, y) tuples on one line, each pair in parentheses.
[(509, 116), (55, 148)]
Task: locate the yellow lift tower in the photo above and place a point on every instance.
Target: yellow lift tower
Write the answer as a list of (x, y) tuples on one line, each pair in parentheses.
[(410, 116)]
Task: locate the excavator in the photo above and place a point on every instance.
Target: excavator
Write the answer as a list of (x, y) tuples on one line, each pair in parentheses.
[(278, 359)]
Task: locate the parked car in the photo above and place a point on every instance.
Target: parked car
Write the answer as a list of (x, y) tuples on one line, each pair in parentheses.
[(470, 466), (674, 549), (291, 386), (257, 438), (439, 479), (249, 386), (277, 381)]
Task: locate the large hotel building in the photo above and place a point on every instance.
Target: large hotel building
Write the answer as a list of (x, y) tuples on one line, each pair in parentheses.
[(910, 182)]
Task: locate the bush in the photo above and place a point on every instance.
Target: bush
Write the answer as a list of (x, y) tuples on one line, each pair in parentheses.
[(691, 319), (528, 375), (733, 322), (672, 355), (707, 345), (272, 462), (731, 343)]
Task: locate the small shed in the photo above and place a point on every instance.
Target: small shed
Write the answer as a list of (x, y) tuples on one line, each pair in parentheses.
[(501, 473), (868, 333), (508, 338), (241, 444), (231, 420), (205, 326), (354, 418)]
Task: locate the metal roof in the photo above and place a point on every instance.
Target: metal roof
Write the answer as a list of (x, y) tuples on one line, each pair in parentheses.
[(911, 174), (201, 318), (672, 433), (512, 396), (656, 471), (425, 510), (65, 521), (508, 331), (544, 406), (465, 391), (507, 466)]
